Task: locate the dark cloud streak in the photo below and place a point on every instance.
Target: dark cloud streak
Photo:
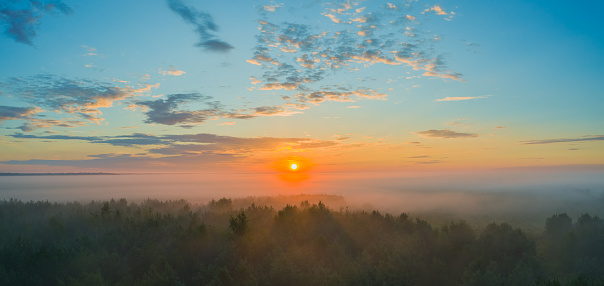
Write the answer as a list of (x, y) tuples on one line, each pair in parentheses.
[(565, 140), (166, 111), (445, 134), (12, 112), (178, 144), (204, 26), (23, 23)]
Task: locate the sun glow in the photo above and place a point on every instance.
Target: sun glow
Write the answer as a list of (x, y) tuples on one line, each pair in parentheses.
[(292, 165)]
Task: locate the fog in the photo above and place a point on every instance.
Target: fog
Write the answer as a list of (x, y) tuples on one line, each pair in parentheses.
[(522, 197)]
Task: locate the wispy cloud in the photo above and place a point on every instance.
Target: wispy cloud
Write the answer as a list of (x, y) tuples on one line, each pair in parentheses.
[(34, 123), (183, 109), (460, 98), (437, 9), (132, 162), (12, 112), (204, 26), (23, 19), (188, 144), (271, 8), (445, 134), (80, 97), (172, 71), (429, 162), (317, 97), (169, 111), (31, 123), (565, 140), (278, 110), (90, 51)]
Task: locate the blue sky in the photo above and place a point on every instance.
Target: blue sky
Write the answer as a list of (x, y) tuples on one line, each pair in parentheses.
[(234, 85)]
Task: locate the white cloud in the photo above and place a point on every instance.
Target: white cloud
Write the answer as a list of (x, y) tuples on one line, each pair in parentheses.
[(173, 71), (459, 98), (437, 9)]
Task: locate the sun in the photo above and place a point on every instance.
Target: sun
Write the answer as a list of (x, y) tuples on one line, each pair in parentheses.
[(291, 164)]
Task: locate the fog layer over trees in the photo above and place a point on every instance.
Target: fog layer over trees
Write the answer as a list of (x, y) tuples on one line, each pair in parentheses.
[(230, 243)]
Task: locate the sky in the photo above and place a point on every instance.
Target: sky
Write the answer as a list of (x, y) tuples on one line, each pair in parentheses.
[(334, 86)]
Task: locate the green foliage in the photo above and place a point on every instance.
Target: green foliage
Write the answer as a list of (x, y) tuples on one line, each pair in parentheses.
[(574, 252), (175, 243), (221, 204), (239, 224)]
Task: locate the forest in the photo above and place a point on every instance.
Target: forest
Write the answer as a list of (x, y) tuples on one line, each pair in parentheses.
[(260, 242)]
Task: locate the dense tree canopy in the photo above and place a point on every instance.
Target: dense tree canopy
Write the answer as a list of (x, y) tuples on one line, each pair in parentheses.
[(174, 243)]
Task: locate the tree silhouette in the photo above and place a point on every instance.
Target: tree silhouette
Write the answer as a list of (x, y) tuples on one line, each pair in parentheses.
[(238, 224)]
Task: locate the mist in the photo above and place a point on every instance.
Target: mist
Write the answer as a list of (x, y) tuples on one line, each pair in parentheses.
[(525, 198)]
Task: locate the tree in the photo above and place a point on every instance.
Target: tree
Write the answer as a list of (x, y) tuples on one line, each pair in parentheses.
[(239, 224), (558, 225)]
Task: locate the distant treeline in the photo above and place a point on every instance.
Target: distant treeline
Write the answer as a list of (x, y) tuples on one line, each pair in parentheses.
[(175, 243)]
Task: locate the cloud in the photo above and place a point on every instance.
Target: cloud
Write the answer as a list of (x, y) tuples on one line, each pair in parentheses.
[(455, 76), (565, 140), (173, 71), (271, 8), (90, 52), (12, 112), (254, 80), (273, 111), (277, 86), (437, 9), (205, 143), (55, 137), (445, 134), (34, 123), (279, 110), (429, 162), (129, 162), (459, 98), (172, 110), (203, 24), (31, 123), (135, 139), (297, 57), (84, 99), (72, 96), (23, 21), (201, 143), (435, 68), (317, 97), (373, 57), (214, 45), (168, 111), (334, 18)]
